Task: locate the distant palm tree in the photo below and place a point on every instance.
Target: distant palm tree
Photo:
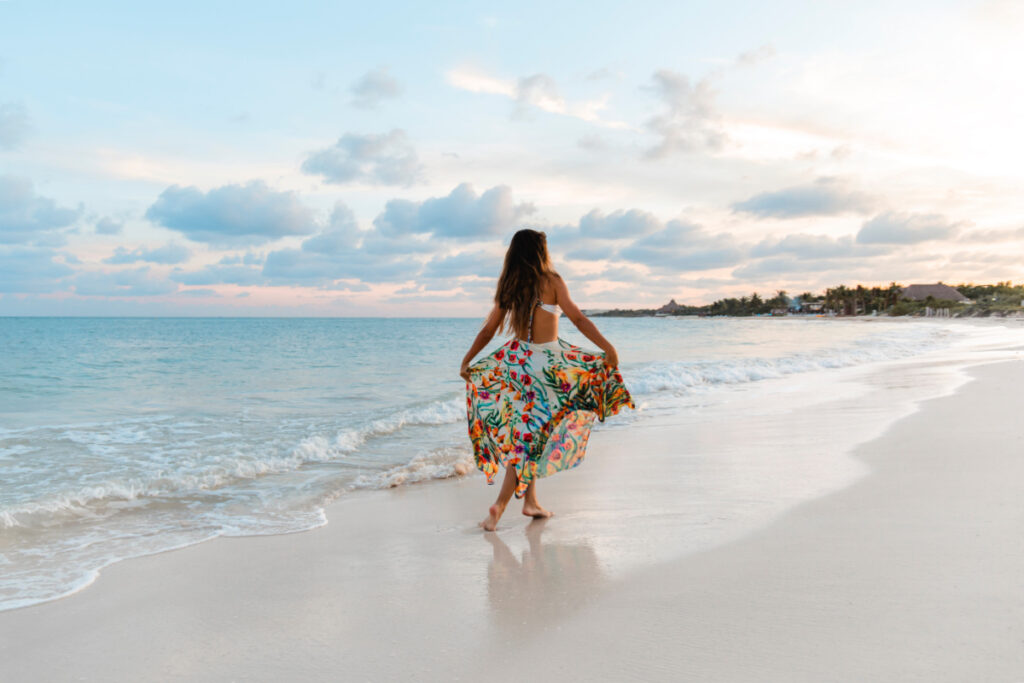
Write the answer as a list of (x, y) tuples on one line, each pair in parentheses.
[(859, 297), (837, 299)]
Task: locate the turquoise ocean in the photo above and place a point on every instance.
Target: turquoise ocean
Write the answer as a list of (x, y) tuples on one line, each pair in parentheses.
[(121, 437)]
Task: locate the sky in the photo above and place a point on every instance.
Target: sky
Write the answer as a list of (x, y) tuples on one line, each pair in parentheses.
[(343, 159)]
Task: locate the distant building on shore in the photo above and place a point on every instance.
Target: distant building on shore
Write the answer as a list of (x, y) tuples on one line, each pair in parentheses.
[(671, 308), (938, 291)]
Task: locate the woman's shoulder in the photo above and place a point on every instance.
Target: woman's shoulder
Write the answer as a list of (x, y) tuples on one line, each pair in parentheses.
[(554, 283)]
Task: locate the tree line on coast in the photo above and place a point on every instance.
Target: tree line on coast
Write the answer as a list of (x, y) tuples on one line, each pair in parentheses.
[(1000, 299)]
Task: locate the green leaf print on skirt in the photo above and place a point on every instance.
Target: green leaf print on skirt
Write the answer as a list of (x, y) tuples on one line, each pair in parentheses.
[(532, 407)]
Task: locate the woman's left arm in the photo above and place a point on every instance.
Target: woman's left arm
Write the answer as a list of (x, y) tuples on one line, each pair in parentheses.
[(485, 335)]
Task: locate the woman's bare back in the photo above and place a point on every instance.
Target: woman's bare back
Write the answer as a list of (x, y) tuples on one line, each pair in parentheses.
[(545, 322)]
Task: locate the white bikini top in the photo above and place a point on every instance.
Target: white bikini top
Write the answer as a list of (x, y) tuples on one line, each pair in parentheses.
[(550, 308)]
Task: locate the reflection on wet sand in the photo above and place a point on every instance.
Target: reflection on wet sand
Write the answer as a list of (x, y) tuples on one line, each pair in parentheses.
[(549, 582)]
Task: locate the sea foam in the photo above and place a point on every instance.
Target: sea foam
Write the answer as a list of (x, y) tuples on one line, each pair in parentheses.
[(216, 431)]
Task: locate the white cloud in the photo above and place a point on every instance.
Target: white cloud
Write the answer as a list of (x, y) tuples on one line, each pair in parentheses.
[(373, 88), (893, 227), (825, 197), (689, 121), (618, 224), (108, 226), (988, 236), (461, 214), (30, 269), (27, 217), (537, 90), (167, 254), (232, 215), (387, 159)]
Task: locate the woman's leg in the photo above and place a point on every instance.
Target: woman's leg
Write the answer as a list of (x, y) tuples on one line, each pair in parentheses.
[(531, 506), (508, 487)]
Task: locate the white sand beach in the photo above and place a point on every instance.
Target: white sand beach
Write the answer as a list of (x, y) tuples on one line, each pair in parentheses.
[(283, 288), (907, 566)]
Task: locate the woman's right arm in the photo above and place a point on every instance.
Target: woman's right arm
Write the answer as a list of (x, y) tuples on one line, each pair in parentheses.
[(583, 323), (485, 335)]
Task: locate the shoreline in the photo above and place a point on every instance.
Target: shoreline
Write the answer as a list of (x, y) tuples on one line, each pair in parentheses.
[(746, 393), (403, 549), (909, 574), (702, 384)]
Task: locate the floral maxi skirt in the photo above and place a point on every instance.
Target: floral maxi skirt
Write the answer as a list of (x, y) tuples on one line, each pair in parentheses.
[(531, 406)]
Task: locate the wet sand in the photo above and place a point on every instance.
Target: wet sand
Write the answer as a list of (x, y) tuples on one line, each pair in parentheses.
[(912, 572)]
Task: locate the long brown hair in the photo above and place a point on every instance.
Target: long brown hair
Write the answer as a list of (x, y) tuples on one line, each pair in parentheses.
[(527, 266)]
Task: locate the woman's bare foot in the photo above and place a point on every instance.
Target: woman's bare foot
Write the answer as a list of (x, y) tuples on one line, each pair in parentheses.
[(491, 522), (536, 511)]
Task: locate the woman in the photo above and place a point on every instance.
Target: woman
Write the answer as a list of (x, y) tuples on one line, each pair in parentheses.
[(532, 402)]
